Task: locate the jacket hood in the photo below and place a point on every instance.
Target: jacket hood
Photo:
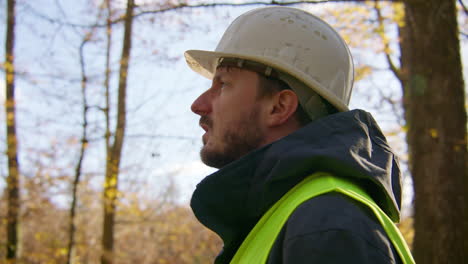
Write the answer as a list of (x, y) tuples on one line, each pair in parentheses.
[(347, 144)]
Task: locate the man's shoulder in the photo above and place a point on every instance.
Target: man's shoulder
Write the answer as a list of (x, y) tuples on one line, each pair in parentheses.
[(335, 228)]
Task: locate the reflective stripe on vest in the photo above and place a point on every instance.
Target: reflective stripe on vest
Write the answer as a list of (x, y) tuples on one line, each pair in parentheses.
[(256, 247)]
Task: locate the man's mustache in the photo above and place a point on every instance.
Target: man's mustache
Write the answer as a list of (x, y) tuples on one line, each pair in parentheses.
[(205, 120)]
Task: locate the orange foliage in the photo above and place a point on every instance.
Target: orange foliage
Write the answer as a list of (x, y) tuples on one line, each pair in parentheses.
[(163, 233)]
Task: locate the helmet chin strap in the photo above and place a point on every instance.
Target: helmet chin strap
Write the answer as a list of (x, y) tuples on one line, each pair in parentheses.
[(309, 100)]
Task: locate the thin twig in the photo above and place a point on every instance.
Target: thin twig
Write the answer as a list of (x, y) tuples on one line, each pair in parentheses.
[(463, 6), (392, 66), (185, 6)]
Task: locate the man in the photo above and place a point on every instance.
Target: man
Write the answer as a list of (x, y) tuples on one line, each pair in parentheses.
[(275, 115)]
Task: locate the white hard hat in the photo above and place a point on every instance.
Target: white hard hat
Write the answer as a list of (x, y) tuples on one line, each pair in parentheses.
[(291, 41)]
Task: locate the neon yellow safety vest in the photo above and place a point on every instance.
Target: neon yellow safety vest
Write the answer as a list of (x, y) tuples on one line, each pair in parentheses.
[(256, 247)]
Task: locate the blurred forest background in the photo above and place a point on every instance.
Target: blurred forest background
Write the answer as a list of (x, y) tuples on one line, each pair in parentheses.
[(100, 150)]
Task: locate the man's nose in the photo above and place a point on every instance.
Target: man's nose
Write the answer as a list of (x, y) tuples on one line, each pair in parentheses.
[(202, 105)]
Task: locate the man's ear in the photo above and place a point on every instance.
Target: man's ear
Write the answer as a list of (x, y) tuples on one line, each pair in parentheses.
[(282, 108)]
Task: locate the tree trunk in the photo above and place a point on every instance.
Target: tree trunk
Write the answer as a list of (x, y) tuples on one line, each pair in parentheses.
[(107, 75), (84, 144), (436, 118), (12, 141), (114, 156)]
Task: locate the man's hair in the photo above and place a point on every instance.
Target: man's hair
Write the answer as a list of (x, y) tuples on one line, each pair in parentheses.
[(268, 86)]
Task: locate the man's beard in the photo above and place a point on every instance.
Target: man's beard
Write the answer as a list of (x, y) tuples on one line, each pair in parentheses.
[(238, 140)]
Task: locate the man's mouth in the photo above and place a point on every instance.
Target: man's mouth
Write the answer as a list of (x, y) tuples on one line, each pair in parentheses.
[(204, 127), (205, 123)]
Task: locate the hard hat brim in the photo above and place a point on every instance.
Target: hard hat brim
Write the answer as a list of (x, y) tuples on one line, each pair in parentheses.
[(205, 62)]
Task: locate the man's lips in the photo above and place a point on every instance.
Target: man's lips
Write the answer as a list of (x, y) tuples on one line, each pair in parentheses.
[(204, 127), (205, 138)]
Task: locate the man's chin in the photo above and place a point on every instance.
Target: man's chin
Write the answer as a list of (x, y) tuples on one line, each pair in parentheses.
[(213, 158)]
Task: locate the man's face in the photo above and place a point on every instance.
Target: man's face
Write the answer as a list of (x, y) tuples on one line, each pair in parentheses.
[(231, 116)]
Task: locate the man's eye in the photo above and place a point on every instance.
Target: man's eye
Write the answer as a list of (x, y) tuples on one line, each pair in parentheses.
[(223, 84)]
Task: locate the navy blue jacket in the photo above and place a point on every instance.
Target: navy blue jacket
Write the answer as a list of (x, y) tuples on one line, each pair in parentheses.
[(330, 228)]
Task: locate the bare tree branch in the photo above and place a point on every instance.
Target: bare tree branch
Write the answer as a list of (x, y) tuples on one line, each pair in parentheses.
[(83, 146), (385, 41), (196, 6), (463, 6), (395, 106), (84, 139), (163, 136), (273, 2)]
